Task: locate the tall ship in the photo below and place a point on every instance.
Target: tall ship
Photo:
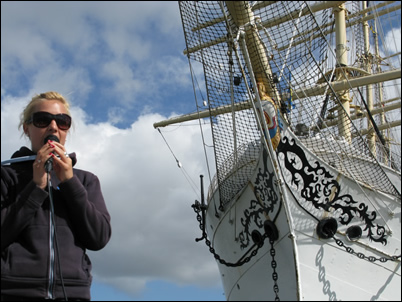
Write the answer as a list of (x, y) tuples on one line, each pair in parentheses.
[(303, 100)]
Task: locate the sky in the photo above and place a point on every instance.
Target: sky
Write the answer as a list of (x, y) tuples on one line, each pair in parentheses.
[(121, 66)]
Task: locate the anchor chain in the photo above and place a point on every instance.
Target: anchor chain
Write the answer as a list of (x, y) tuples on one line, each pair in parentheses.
[(197, 209), (268, 234), (362, 256), (274, 273)]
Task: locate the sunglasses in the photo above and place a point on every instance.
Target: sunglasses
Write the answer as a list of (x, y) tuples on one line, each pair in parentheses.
[(43, 119)]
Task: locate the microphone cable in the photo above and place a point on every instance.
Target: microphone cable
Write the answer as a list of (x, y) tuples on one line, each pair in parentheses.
[(49, 185)]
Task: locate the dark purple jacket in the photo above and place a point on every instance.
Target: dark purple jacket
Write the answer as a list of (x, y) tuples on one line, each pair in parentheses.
[(28, 267)]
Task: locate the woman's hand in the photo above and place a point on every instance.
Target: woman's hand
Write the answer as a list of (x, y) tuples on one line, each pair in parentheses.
[(62, 165)]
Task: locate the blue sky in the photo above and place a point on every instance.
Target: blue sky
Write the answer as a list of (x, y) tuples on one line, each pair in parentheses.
[(121, 65)]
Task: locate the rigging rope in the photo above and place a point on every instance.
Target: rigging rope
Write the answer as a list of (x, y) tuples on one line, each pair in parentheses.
[(186, 175), (308, 112), (201, 130)]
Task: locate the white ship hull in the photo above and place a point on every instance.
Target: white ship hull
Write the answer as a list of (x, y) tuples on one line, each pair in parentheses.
[(314, 213), (308, 267)]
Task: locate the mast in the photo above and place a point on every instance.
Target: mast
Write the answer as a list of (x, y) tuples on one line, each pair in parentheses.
[(369, 88), (380, 100), (341, 59), (340, 83), (244, 18)]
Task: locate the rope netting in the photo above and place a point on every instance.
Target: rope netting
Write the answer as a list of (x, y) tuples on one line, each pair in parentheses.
[(288, 43)]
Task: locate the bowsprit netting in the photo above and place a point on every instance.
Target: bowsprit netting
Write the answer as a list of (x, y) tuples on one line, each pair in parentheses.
[(295, 43)]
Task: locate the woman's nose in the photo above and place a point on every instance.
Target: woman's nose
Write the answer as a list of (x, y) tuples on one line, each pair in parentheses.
[(53, 125)]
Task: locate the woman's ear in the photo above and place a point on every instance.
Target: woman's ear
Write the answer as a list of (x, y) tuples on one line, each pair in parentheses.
[(25, 127)]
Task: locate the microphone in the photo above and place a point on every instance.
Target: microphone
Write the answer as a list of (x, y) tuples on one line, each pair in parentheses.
[(49, 162)]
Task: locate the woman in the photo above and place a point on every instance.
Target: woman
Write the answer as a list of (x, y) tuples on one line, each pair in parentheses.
[(49, 219)]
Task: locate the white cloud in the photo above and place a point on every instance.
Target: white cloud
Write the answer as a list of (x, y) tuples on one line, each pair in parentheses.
[(116, 62), (116, 51), (153, 225)]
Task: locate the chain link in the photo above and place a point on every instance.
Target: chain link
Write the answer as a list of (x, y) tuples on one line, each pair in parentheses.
[(362, 256), (339, 242), (274, 273), (197, 209)]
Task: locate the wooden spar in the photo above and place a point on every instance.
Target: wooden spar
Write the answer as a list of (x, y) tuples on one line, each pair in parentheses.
[(296, 14), (244, 106), (376, 111), (347, 84), (348, 24), (242, 16), (319, 89), (297, 94), (286, 18), (276, 21), (203, 114), (382, 127)]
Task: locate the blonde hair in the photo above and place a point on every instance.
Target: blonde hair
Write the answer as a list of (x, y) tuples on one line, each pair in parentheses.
[(42, 97)]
